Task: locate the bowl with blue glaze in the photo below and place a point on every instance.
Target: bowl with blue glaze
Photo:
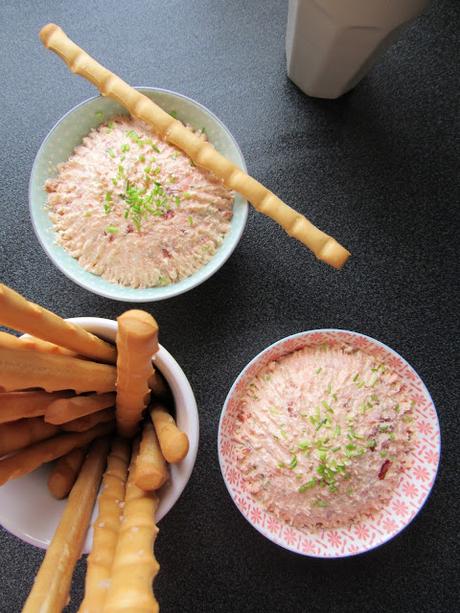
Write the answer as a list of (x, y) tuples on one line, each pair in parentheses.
[(59, 145)]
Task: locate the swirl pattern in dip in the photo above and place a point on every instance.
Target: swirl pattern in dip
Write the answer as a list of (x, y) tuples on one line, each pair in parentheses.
[(135, 210), (323, 435)]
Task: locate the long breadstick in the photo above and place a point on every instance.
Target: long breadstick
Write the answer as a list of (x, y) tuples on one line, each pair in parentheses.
[(65, 472), (173, 442), (21, 369), (32, 457), (68, 409), (27, 342), (137, 341), (25, 432), (151, 471), (89, 421), (16, 405), (106, 528), (135, 566), (51, 588), (18, 313), (201, 152)]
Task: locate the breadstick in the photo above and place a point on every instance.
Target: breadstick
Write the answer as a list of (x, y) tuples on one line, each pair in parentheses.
[(50, 591), (15, 405), (65, 472), (37, 344), (31, 343), (173, 442), (68, 409), (88, 421), (21, 369), (159, 387), (32, 457), (106, 528), (137, 341), (18, 434), (18, 313), (135, 566), (201, 152), (151, 470)]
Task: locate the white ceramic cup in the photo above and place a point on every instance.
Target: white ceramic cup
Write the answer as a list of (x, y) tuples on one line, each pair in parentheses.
[(28, 510)]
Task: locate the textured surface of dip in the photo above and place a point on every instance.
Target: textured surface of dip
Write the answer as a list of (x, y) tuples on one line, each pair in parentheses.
[(135, 210), (323, 436)]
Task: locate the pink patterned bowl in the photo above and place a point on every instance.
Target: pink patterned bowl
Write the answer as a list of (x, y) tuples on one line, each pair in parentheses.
[(409, 496)]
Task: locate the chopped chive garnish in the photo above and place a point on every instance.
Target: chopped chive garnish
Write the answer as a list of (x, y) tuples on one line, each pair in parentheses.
[(173, 114), (111, 152), (307, 486), (281, 465), (124, 148), (190, 220), (293, 462), (356, 377), (318, 370), (177, 203), (110, 125), (112, 229), (304, 445), (99, 115), (142, 159)]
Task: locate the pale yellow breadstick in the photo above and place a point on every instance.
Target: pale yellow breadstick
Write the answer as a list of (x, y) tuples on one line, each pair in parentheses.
[(27, 460), (16, 405), (50, 591), (201, 152), (160, 389), (65, 472), (173, 442), (135, 566), (137, 341), (89, 421), (20, 369), (27, 342), (67, 409), (106, 528), (18, 313), (18, 434), (151, 470)]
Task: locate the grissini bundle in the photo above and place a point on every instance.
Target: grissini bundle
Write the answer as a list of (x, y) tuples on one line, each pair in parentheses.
[(137, 341), (134, 566), (150, 470), (51, 588), (21, 369), (65, 472), (201, 152), (18, 313), (27, 460), (174, 443), (89, 421), (106, 528), (16, 405), (19, 434), (68, 409)]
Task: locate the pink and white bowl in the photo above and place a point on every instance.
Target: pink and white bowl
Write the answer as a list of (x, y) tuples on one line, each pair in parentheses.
[(414, 485)]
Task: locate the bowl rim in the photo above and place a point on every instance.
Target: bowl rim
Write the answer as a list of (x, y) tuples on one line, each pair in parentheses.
[(172, 289), (307, 333), (193, 435)]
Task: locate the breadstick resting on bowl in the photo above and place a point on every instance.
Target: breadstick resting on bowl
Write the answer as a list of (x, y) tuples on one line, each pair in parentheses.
[(202, 154)]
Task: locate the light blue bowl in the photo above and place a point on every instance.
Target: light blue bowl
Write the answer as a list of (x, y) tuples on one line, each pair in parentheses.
[(58, 146)]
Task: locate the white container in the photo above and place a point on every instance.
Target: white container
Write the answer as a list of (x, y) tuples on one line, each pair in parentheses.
[(332, 44)]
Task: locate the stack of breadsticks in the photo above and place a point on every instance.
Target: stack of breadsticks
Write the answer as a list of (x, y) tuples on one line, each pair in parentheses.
[(64, 393)]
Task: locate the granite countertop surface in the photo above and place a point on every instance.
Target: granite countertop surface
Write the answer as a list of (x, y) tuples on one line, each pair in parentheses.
[(377, 169)]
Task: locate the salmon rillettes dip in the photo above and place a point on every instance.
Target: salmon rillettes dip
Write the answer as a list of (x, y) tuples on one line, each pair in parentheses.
[(135, 210), (323, 434)]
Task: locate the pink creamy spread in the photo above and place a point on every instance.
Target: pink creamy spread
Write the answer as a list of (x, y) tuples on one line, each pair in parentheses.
[(135, 210), (323, 435)]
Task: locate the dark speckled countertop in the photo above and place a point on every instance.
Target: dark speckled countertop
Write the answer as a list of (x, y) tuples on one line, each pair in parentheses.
[(377, 169)]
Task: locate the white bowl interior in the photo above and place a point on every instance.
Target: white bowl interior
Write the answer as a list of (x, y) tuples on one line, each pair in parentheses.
[(28, 510)]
